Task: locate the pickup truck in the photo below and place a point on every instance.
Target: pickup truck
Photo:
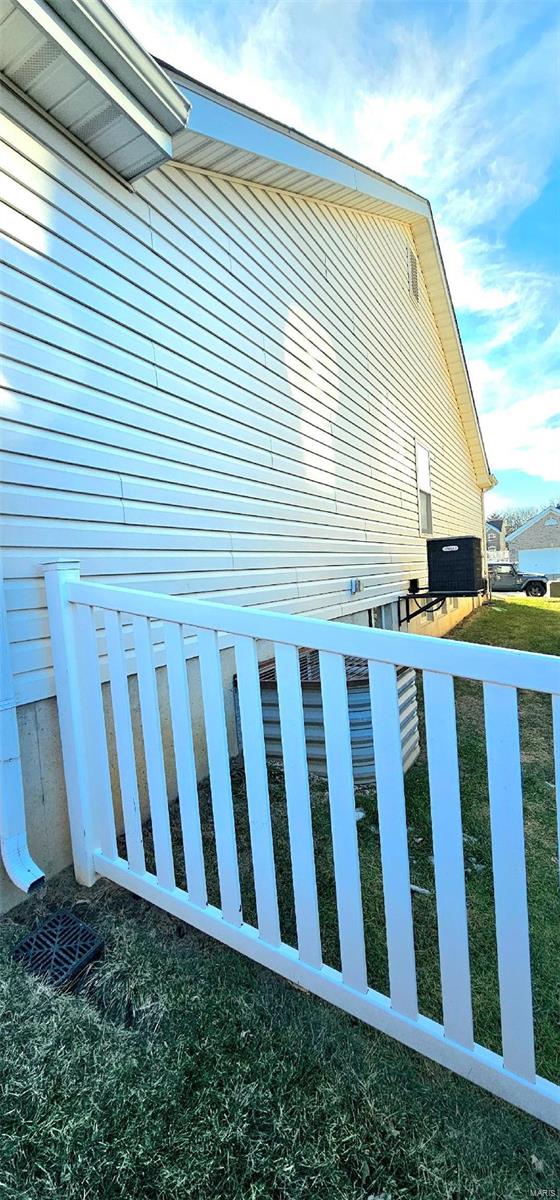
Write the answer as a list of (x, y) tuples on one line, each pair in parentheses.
[(504, 577)]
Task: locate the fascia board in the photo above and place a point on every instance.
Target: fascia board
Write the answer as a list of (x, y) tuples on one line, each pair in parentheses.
[(254, 135)]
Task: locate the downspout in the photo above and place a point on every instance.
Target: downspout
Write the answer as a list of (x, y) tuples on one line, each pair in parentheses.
[(483, 542), (13, 837)]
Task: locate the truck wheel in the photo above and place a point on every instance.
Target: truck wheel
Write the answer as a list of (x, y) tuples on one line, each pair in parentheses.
[(535, 589)]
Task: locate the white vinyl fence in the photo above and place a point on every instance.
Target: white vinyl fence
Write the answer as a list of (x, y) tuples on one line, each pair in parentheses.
[(72, 603)]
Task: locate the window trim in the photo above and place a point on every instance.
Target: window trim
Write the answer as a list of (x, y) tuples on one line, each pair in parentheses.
[(418, 445), (389, 615)]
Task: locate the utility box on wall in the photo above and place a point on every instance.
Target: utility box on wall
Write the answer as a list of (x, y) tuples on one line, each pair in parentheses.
[(455, 566)]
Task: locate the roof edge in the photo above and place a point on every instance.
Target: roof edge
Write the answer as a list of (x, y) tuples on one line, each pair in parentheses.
[(99, 28), (487, 479), (417, 201), (550, 508)]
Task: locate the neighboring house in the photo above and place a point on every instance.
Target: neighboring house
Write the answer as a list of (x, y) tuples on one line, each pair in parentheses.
[(495, 540), (232, 362), (536, 544)]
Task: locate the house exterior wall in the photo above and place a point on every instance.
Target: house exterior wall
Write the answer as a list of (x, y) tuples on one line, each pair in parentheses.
[(493, 537), (495, 544), (212, 389), (537, 549), (543, 535)]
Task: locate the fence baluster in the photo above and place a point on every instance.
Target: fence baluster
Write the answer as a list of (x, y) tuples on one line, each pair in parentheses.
[(296, 780), (220, 779), (391, 809), (125, 743), (181, 723), (510, 883), (343, 820), (94, 728), (258, 801), (153, 752), (449, 865)]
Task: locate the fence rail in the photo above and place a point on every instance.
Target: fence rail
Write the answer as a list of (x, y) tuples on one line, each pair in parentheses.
[(94, 836)]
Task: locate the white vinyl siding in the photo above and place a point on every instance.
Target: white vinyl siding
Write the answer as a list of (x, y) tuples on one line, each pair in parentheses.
[(211, 388)]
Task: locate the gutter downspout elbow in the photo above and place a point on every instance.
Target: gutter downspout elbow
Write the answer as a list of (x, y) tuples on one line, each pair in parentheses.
[(21, 868)]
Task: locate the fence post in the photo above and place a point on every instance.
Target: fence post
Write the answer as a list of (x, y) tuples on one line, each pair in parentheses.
[(70, 716)]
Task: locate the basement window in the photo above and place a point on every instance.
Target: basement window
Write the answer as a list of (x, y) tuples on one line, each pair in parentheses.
[(413, 274), (424, 484), (386, 616)]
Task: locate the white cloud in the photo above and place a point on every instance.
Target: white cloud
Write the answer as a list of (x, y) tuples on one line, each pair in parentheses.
[(498, 501), (521, 426), (256, 70), (520, 436), (477, 284)]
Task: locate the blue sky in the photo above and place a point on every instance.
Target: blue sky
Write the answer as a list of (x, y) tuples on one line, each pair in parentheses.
[(458, 99)]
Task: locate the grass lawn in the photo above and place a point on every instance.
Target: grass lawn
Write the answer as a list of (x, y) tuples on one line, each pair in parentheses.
[(183, 1070)]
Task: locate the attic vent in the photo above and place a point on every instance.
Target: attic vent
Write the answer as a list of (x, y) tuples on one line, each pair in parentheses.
[(97, 123), (37, 62), (413, 273)]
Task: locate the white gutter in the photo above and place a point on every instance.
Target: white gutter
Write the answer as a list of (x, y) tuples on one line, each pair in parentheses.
[(94, 72), (100, 29), (13, 837), (76, 61)]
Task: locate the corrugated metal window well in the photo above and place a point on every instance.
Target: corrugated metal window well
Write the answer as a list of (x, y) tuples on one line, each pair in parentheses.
[(359, 709)]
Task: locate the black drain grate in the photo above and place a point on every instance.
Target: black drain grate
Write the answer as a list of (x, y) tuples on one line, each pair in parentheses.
[(59, 949)]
